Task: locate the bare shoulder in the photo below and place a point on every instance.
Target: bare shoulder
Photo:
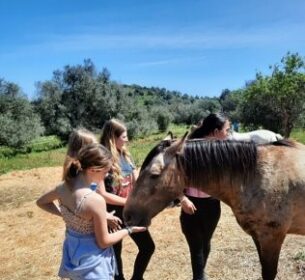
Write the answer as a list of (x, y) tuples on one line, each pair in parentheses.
[(95, 202), (60, 188)]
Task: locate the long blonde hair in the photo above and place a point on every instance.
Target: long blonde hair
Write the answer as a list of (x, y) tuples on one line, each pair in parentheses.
[(78, 139), (113, 129)]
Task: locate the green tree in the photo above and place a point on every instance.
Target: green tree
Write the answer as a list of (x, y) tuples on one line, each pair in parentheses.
[(54, 114), (76, 96), (79, 95), (230, 102), (287, 89), (276, 102), (163, 118), (18, 121)]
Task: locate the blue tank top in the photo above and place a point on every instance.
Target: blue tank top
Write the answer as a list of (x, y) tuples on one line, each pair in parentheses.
[(126, 167)]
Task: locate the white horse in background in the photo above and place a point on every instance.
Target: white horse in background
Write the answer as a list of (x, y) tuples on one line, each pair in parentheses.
[(260, 136)]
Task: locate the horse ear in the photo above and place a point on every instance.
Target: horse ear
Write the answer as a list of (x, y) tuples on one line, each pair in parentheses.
[(177, 146), (169, 136), (156, 168)]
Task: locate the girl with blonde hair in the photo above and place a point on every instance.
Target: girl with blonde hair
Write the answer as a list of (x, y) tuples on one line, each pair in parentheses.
[(120, 182), (78, 139), (87, 249)]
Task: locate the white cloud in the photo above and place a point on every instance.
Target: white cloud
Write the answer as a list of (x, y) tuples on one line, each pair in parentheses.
[(184, 40), (219, 38), (174, 60)]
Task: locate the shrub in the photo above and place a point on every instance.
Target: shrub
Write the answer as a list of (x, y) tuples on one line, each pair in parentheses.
[(18, 121), (133, 129), (6, 152), (45, 144), (40, 144), (163, 120)]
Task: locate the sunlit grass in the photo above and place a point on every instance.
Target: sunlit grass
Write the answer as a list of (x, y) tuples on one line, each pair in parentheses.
[(32, 160), (298, 135)]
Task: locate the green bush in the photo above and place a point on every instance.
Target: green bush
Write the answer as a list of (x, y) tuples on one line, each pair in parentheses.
[(40, 144), (46, 143), (141, 127), (6, 152), (133, 129), (163, 121), (18, 121)]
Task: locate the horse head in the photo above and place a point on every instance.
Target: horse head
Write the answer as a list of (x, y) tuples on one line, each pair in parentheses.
[(157, 185)]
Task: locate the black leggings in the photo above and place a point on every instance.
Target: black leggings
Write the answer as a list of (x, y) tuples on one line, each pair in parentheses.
[(198, 230), (145, 246)]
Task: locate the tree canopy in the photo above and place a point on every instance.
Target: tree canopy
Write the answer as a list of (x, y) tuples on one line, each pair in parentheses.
[(18, 121), (81, 96), (277, 101)]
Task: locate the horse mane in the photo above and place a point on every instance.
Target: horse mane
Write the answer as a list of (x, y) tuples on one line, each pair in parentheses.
[(207, 161), (204, 161)]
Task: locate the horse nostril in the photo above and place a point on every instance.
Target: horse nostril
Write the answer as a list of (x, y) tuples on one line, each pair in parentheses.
[(134, 217)]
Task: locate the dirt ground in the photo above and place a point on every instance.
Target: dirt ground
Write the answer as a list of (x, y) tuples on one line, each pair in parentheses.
[(31, 240)]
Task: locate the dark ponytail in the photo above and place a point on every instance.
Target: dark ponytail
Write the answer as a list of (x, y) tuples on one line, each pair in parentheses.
[(71, 169), (209, 124)]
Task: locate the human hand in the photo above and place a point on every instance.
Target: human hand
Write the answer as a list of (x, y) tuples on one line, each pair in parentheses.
[(135, 229), (187, 206), (114, 223)]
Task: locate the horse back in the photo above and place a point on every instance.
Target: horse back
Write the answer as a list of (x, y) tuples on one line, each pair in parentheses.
[(282, 181), (282, 163)]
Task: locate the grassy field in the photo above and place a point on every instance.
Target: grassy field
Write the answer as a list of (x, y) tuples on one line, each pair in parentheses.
[(32, 160), (298, 135)]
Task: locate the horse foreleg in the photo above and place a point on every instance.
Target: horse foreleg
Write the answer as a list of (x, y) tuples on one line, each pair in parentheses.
[(269, 248)]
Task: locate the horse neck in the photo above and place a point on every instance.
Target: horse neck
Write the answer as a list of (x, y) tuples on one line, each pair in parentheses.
[(217, 167)]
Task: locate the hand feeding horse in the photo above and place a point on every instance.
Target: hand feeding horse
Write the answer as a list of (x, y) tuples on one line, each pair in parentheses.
[(263, 184)]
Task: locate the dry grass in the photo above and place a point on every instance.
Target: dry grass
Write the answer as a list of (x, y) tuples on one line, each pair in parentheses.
[(31, 239)]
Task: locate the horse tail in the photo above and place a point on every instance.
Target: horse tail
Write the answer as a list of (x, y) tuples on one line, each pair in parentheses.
[(279, 137), (284, 142)]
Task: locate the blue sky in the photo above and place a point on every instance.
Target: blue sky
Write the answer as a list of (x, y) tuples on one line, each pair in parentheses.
[(195, 47)]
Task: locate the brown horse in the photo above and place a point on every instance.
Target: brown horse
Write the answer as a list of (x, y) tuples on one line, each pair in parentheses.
[(263, 184)]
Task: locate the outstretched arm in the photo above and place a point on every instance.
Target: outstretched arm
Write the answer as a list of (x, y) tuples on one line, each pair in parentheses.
[(110, 198), (46, 202), (97, 207)]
